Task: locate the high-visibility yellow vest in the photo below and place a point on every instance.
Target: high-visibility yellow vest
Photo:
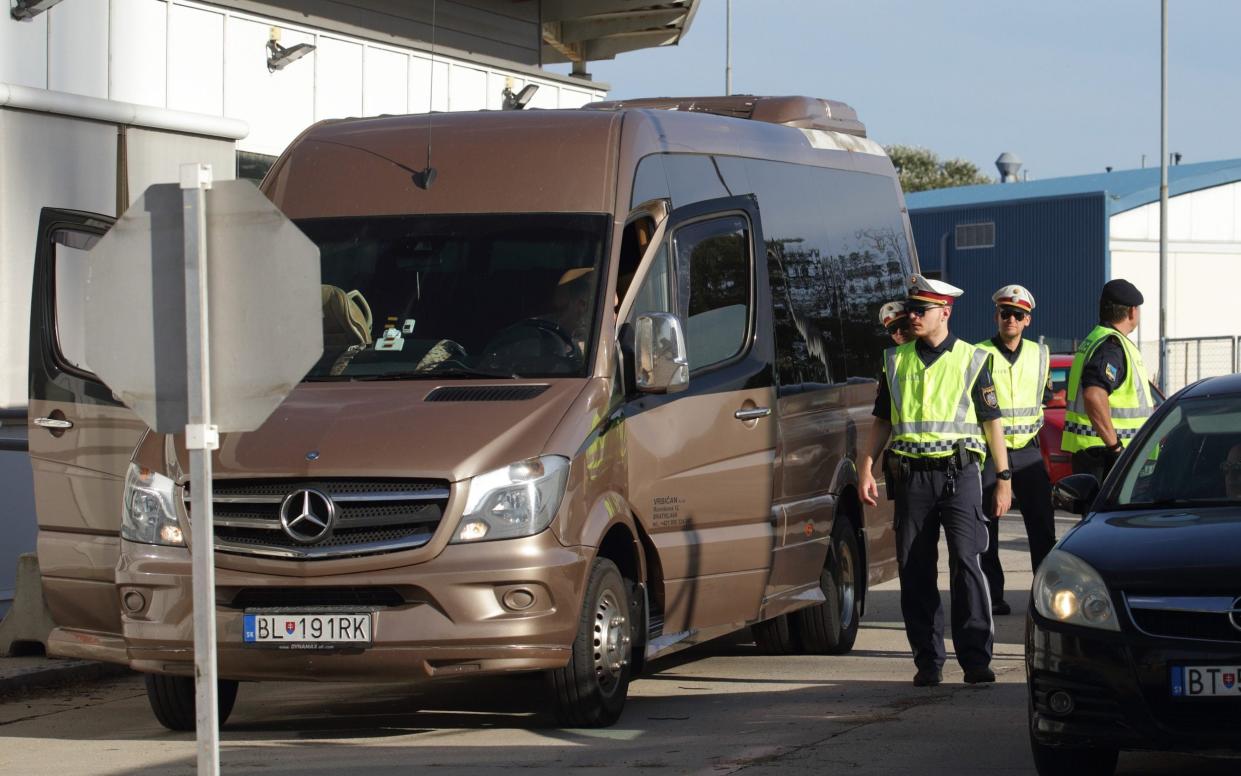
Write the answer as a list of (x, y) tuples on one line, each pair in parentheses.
[(1019, 389), (933, 407), (1130, 402)]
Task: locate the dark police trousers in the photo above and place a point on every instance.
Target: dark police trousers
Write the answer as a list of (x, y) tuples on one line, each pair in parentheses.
[(924, 504), (1032, 491)]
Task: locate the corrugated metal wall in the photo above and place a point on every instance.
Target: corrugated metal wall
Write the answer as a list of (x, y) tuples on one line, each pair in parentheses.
[(1055, 247)]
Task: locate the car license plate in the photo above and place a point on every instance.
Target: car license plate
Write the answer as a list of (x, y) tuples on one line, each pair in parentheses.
[(307, 630), (1206, 681)]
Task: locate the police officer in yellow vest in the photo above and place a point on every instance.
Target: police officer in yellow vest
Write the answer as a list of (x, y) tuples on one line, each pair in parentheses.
[(1108, 393), (939, 405), (895, 321), (1021, 371)]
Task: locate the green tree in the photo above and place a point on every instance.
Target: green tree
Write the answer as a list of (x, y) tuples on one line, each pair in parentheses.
[(921, 169)]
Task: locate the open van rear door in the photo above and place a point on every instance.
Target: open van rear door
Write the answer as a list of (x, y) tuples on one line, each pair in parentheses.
[(81, 441)]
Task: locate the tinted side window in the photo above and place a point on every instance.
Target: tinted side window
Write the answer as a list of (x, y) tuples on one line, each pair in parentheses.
[(714, 257), (871, 251), (799, 266), (683, 178)]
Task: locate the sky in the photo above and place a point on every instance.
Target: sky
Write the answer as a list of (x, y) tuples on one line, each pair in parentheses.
[(1069, 86)]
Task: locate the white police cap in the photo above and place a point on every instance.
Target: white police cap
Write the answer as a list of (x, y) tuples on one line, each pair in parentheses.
[(1014, 296), (934, 292)]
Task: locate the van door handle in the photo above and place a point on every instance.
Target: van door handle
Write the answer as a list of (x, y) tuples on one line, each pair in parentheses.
[(753, 413), (53, 423)]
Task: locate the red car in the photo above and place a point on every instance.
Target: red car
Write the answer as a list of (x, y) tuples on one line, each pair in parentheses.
[(1057, 461)]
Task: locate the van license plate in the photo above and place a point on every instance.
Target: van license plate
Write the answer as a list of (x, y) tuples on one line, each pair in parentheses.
[(1206, 681), (303, 629)]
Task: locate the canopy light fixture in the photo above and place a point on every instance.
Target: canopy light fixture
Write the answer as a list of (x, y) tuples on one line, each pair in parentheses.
[(520, 99), (279, 57), (25, 10)]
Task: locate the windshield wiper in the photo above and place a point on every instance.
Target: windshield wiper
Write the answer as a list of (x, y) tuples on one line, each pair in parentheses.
[(454, 371), (326, 378)]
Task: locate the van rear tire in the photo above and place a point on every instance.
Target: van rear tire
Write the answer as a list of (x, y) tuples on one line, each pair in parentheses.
[(173, 700), (830, 628), (590, 690)]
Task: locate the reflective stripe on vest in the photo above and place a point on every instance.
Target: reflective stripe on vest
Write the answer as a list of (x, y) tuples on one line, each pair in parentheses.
[(1130, 402), (933, 407), (1019, 389)]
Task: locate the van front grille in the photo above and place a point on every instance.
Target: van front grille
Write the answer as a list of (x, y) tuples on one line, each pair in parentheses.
[(299, 597), (327, 518)]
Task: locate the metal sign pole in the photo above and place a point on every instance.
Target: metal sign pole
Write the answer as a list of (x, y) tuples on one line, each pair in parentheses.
[(1163, 197), (201, 437)]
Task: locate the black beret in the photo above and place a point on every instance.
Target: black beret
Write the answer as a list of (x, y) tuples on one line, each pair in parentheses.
[(1121, 291)]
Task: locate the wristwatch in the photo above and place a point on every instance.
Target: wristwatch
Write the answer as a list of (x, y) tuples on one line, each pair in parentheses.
[(1116, 448), (1007, 474)]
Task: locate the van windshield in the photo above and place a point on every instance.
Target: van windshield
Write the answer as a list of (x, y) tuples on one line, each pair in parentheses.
[(488, 296)]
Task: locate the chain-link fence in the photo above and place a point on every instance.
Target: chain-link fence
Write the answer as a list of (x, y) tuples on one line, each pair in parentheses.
[(1192, 358)]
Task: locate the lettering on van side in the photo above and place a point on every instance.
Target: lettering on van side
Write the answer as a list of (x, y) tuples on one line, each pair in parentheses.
[(666, 512)]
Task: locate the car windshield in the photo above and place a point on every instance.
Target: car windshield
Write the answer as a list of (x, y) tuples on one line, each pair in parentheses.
[(1192, 457), (487, 296)]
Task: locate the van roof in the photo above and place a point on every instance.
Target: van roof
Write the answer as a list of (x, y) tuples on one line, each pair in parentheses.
[(546, 160)]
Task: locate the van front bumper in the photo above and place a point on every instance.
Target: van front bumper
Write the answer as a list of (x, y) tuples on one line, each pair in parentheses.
[(462, 612)]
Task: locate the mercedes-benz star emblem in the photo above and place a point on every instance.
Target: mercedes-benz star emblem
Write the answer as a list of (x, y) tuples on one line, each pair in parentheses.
[(1235, 615), (307, 515)]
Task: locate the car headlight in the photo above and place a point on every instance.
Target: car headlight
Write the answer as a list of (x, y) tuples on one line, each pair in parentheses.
[(1068, 590), (148, 514), (518, 500)]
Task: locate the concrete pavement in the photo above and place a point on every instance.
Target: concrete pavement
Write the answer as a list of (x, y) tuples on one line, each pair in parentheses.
[(722, 708)]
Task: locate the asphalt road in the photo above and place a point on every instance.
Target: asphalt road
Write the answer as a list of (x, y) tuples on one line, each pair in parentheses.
[(722, 708)]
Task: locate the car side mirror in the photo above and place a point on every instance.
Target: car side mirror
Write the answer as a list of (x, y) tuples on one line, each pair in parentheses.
[(661, 361), (1075, 493)]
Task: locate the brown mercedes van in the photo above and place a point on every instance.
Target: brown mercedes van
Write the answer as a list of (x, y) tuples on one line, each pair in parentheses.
[(591, 393)]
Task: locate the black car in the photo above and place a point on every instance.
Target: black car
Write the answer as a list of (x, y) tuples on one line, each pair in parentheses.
[(1133, 639)]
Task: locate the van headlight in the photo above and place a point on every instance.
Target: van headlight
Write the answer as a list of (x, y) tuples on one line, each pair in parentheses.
[(518, 500), (1068, 590), (148, 514)]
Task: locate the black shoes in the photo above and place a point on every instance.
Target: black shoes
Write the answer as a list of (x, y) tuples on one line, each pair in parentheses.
[(981, 675), (1001, 607), (929, 677)]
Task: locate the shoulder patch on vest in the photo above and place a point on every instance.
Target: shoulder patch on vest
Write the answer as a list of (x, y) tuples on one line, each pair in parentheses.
[(1110, 371), (988, 396)]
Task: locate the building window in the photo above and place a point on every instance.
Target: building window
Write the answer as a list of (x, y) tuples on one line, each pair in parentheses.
[(976, 235)]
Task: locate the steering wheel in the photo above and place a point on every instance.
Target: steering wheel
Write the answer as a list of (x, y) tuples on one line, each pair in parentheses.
[(544, 329)]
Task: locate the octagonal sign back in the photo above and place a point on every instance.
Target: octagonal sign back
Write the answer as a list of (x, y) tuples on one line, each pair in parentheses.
[(264, 302)]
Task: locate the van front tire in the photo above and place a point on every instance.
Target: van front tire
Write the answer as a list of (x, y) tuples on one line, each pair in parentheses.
[(590, 690), (173, 700), (830, 628)]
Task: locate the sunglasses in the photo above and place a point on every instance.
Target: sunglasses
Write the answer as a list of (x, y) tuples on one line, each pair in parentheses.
[(1230, 468), (901, 326), (1018, 314), (920, 311)]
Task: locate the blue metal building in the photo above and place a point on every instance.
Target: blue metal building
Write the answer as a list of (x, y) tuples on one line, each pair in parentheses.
[(1051, 236)]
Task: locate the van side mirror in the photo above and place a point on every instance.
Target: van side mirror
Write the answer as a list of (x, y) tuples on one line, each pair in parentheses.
[(661, 361), (1075, 493)]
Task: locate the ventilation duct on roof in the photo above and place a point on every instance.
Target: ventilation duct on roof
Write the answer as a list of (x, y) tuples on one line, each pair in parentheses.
[(1008, 165)]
